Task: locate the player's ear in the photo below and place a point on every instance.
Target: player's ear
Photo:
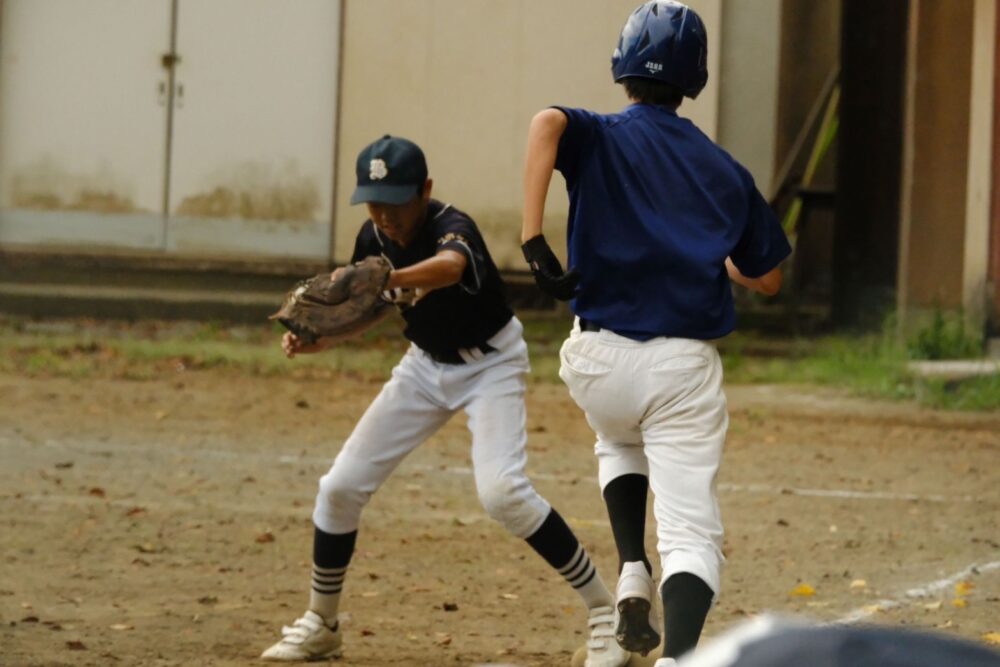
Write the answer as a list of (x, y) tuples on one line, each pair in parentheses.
[(425, 192)]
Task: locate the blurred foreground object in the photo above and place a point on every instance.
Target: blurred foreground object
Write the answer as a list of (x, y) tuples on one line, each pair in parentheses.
[(772, 641)]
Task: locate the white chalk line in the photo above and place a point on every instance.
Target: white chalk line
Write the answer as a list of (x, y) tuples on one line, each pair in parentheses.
[(229, 455), (916, 593)]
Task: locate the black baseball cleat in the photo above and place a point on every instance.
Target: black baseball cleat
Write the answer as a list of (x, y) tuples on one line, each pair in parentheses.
[(637, 621), (634, 632)]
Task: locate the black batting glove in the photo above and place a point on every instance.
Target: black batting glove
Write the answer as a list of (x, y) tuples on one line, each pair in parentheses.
[(547, 270)]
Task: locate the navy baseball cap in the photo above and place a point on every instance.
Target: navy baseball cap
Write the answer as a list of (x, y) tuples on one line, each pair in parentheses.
[(391, 170)]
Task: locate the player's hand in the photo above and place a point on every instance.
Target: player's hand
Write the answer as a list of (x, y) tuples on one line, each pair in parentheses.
[(547, 270), (337, 272), (292, 345)]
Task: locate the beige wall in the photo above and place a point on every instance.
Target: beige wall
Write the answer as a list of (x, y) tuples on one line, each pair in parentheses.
[(463, 78), (933, 242), (975, 268), (749, 88)]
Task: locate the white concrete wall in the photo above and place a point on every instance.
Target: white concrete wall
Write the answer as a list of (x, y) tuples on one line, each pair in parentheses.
[(463, 78), (748, 109)]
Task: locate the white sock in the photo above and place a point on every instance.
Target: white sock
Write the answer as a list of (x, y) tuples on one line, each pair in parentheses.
[(581, 574), (324, 597)]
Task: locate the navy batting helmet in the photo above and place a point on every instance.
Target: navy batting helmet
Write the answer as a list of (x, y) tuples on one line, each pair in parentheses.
[(664, 41)]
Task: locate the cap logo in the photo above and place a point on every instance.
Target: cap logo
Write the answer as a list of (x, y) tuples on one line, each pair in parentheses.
[(653, 67), (377, 170)]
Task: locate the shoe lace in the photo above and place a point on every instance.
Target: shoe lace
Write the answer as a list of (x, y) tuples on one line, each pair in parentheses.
[(602, 627)]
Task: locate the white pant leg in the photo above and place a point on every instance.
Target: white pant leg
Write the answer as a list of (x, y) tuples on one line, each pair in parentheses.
[(684, 439), (600, 384), (667, 395), (404, 414), (493, 399)]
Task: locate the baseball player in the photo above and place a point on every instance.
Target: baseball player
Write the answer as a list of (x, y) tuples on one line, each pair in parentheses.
[(467, 354), (660, 220)]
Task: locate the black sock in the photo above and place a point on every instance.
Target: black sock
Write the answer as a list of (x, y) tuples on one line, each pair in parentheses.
[(686, 601), (331, 550), (556, 543), (625, 497), (331, 555)]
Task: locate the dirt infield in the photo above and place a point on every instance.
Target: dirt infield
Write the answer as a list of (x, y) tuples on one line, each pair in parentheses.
[(166, 522)]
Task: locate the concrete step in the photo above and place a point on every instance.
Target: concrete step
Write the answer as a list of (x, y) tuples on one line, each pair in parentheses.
[(139, 302)]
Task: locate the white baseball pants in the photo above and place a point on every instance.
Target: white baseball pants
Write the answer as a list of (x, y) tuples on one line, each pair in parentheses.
[(658, 410), (420, 397)]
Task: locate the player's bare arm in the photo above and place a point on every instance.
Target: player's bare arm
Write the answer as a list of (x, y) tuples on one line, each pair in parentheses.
[(442, 270), (768, 284), (543, 143)]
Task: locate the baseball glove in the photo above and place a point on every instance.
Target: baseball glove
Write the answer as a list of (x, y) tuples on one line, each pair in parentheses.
[(319, 307)]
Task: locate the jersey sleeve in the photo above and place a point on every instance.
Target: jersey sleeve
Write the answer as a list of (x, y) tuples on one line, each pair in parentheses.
[(366, 244), (580, 128), (763, 244), (459, 233)]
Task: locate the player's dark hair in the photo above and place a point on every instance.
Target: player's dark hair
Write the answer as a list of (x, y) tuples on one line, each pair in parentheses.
[(650, 91)]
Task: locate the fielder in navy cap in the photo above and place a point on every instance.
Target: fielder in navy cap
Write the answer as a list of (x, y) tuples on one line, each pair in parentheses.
[(391, 170)]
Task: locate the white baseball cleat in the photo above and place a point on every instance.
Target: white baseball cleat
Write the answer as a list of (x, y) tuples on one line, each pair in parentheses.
[(308, 638), (602, 649), (636, 602)]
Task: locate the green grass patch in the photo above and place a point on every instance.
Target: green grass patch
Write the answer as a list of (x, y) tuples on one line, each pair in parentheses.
[(872, 366)]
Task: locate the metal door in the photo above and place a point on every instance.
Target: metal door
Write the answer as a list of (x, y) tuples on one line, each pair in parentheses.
[(193, 127), (83, 106), (253, 128)]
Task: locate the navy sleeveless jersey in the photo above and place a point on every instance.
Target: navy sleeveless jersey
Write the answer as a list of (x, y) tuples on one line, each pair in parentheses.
[(655, 209), (461, 315)]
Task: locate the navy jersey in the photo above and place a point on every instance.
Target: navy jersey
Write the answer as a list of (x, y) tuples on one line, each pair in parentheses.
[(655, 209), (459, 316)]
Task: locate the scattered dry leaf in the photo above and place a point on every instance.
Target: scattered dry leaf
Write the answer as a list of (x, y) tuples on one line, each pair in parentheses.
[(964, 588), (121, 626), (959, 603), (509, 596), (992, 638), (75, 645), (933, 606), (265, 537), (858, 583), (803, 590)]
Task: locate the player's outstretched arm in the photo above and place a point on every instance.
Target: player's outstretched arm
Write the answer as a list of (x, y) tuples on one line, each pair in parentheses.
[(442, 270)]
